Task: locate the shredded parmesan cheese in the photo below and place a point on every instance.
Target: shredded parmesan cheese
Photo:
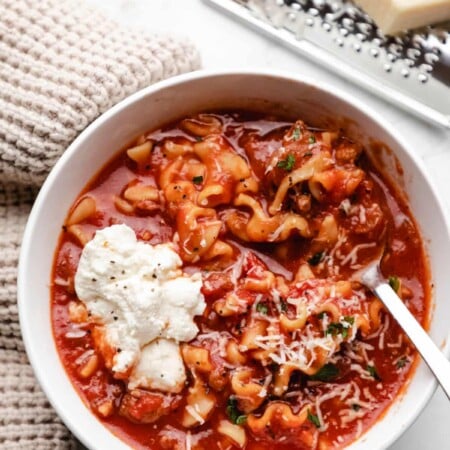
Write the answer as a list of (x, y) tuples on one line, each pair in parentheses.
[(188, 440), (193, 412), (352, 257)]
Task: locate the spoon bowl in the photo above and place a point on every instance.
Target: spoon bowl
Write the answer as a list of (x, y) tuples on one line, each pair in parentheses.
[(371, 277)]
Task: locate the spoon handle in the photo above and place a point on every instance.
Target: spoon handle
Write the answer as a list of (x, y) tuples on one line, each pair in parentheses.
[(431, 354)]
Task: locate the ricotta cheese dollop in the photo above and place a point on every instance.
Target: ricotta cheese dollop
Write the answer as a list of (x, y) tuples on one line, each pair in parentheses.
[(145, 303)]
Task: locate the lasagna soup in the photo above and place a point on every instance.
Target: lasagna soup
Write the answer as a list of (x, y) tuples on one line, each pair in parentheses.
[(203, 292)]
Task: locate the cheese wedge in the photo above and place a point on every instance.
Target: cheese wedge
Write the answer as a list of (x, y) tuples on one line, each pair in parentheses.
[(393, 16)]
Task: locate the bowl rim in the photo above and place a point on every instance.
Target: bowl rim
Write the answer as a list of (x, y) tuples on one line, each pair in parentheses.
[(281, 75)]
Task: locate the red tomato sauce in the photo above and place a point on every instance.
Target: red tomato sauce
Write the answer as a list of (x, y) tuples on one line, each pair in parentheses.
[(256, 137)]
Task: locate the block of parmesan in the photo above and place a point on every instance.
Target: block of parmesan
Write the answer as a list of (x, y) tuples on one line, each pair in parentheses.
[(393, 16)]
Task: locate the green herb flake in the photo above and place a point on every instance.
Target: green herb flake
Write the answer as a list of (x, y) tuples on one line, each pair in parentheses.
[(197, 180), (313, 419), (241, 420), (315, 259), (233, 412), (321, 315), (394, 283), (296, 134), (334, 328), (262, 308), (283, 306), (356, 407), (373, 372), (327, 372), (341, 328), (288, 163), (402, 362), (349, 319), (312, 140), (198, 138)]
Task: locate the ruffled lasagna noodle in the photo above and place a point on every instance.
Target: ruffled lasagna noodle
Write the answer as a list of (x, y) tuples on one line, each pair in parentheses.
[(275, 218)]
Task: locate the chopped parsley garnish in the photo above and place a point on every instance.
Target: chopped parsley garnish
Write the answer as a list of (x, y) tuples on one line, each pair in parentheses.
[(349, 319), (394, 282), (198, 138), (356, 407), (373, 372), (321, 315), (336, 328), (341, 328), (262, 308), (402, 362), (316, 258), (313, 419), (327, 372), (288, 163), (197, 180), (296, 134), (233, 412), (312, 140), (283, 306)]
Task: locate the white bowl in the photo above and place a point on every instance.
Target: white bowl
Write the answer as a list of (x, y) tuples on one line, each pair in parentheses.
[(173, 99)]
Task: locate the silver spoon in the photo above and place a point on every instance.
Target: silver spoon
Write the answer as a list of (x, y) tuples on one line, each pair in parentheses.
[(372, 278)]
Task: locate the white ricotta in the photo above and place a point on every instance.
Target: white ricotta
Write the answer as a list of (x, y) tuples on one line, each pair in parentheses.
[(139, 293), (160, 367)]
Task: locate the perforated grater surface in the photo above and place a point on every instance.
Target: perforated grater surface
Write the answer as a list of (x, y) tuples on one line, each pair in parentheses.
[(411, 70)]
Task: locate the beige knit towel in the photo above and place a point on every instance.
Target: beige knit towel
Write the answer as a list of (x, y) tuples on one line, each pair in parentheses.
[(61, 65)]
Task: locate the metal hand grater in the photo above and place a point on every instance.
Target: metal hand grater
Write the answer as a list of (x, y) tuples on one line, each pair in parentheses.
[(411, 70)]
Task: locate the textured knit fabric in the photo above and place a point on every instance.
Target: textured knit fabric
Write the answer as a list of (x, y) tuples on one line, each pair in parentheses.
[(61, 65), (27, 422)]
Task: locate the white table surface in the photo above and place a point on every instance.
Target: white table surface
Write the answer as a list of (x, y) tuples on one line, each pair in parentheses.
[(226, 44)]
